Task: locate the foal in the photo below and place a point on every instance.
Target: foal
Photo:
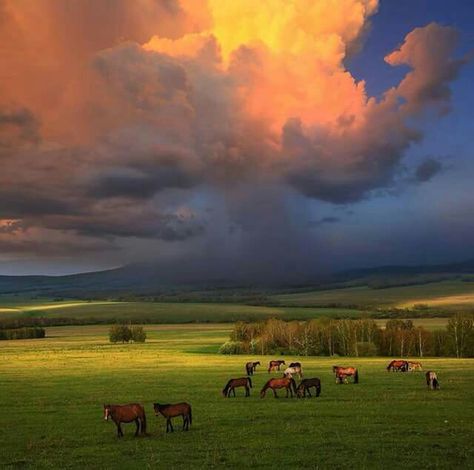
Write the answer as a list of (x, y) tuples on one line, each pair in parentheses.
[(126, 414), (306, 384), (171, 411), (233, 383)]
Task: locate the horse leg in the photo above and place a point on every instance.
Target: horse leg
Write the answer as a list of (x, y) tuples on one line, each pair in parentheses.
[(275, 392), (247, 391), (309, 393), (233, 390), (184, 422), (119, 430), (137, 424)]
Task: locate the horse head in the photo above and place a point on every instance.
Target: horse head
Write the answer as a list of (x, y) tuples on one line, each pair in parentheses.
[(156, 408), (106, 412)]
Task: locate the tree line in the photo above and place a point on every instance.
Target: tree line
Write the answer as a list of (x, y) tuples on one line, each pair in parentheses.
[(125, 334), (22, 333), (360, 337)]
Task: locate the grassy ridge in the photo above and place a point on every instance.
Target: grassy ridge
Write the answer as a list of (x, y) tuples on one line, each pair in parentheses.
[(52, 393), (446, 294)]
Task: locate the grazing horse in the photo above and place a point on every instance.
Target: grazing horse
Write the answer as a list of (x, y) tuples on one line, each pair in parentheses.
[(289, 371), (306, 384), (275, 365), (283, 382), (171, 411), (295, 364), (398, 365), (250, 367), (414, 366), (432, 380), (233, 383), (343, 372), (126, 414)]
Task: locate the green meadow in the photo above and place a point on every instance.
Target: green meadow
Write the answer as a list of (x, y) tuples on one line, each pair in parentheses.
[(52, 391)]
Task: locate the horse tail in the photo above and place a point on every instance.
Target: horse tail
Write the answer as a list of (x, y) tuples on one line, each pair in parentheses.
[(190, 415), (226, 388), (356, 376), (250, 381)]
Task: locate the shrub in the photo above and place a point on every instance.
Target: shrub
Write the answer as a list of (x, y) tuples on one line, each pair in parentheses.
[(120, 334), (231, 347), (23, 333), (366, 349), (138, 334)]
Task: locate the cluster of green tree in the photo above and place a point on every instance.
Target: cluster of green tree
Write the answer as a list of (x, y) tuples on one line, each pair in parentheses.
[(361, 337), (126, 333), (23, 333)]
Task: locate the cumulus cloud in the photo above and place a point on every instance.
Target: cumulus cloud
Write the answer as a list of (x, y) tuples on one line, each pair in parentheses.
[(115, 131)]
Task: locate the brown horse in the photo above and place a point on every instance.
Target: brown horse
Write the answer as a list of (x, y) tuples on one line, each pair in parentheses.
[(414, 366), (398, 365), (126, 414), (343, 372), (250, 367), (283, 382), (432, 380), (171, 411), (275, 365), (306, 384), (295, 364), (232, 384)]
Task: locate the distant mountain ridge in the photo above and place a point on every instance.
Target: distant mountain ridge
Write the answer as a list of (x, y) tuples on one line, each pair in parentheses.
[(149, 279)]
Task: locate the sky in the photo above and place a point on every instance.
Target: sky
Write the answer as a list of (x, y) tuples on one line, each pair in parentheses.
[(235, 139)]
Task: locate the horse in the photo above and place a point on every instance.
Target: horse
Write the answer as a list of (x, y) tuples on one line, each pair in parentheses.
[(414, 366), (398, 365), (295, 364), (171, 411), (233, 383), (432, 380), (275, 365), (283, 382), (306, 384), (250, 367), (289, 371), (343, 372), (126, 414)]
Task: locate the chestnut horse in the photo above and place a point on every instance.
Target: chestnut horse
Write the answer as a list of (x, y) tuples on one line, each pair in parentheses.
[(250, 367), (343, 372), (275, 365), (283, 382), (126, 414), (398, 365), (432, 380), (171, 411), (233, 383), (414, 366), (306, 384)]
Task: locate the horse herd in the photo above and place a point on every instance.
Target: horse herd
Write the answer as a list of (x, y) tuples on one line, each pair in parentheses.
[(135, 412)]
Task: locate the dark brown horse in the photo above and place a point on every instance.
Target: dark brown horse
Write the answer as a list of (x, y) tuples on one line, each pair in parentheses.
[(171, 411), (343, 372), (398, 365), (432, 380), (295, 364), (306, 384), (283, 382), (275, 365), (232, 384), (126, 414), (250, 367)]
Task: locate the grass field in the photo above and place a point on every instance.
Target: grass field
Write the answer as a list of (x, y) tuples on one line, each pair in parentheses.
[(448, 295), (52, 391), (160, 312)]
